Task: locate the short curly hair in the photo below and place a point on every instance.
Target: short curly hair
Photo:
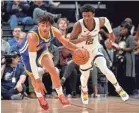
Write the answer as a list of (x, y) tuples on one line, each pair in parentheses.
[(46, 18), (87, 8)]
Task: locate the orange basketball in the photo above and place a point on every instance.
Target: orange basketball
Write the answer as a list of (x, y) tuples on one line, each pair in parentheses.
[(80, 56)]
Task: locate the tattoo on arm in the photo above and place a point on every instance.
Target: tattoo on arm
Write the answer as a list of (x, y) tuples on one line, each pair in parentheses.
[(102, 21), (73, 37), (76, 31)]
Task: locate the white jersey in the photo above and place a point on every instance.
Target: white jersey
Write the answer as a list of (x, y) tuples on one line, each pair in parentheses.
[(94, 43)]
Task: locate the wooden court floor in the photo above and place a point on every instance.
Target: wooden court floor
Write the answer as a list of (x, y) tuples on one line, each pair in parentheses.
[(100, 105)]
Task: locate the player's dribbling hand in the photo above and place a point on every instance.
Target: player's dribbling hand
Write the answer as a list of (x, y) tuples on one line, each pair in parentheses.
[(40, 86), (116, 46), (87, 37)]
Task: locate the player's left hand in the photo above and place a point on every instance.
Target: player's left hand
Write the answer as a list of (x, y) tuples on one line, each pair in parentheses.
[(87, 37), (116, 46), (40, 86)]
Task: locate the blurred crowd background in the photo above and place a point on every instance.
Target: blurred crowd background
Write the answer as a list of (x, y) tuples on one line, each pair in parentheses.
[(19, 16)]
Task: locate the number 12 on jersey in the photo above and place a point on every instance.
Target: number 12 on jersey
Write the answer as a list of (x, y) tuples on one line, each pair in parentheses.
[(88, 42)]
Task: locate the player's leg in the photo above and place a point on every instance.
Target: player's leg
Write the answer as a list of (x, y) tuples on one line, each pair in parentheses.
[(85, 73), (41, 98), (48, 64), (84, 89), (101, 64)]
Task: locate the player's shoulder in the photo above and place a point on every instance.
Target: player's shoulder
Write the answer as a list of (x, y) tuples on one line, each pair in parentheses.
[(102, 19), (77, 24), (32, 36), (55, 31)]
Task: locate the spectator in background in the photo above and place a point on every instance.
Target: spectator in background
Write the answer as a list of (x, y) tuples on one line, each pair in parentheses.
[(62, 25), (65, 57), (5, 46), (70, 72), (21, 37), (137, 41), (39, 7), (16, 33), (137, 57), (117, 29), (129, 20), (126, 57), (52, 4), (18, 10), (15, 47), (12, 78)]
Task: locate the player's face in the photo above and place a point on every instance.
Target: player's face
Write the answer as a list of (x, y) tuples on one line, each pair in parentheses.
[(62, 25), (44, 27), (88, 16)]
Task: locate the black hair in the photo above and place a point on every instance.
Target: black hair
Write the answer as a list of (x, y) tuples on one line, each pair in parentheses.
[(87, 8), (14, 53), (46, 18), (127, 25)]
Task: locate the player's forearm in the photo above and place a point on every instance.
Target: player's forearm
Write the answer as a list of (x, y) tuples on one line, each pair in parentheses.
[(109, 28), (112, 37), (70, 45), (34, 68)]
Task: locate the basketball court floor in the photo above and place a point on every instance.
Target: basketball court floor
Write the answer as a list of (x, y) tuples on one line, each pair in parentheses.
[(99, 105)]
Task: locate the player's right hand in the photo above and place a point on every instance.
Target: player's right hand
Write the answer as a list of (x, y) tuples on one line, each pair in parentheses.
[(87, 37), (40, 86)]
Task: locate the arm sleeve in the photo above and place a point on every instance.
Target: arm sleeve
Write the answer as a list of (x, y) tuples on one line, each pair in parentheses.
[(34, 68), (108, 25)]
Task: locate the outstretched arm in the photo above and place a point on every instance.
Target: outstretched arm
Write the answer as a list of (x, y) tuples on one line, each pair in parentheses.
[(33, 42), (63, 40), (105, 22)]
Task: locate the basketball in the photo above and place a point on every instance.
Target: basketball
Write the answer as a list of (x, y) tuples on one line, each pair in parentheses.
[(80, 56)]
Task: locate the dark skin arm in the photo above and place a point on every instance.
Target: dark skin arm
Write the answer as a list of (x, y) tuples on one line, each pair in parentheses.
[(75, 33), (111, 36)]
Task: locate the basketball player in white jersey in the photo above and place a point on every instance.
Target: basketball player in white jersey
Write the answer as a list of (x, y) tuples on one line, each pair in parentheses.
[(85, 34)]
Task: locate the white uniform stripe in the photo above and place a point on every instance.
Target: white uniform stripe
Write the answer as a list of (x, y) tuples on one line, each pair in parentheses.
[(24, 46), (22, 51)]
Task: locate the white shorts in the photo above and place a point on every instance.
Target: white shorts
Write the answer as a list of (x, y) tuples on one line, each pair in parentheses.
[(92, 54)]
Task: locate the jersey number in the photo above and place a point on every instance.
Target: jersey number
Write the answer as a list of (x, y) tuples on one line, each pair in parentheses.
[(88, 42)]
